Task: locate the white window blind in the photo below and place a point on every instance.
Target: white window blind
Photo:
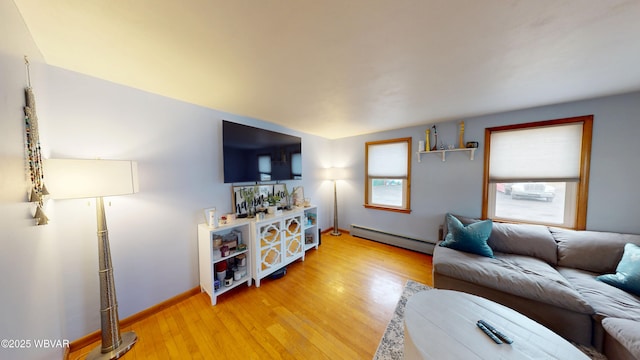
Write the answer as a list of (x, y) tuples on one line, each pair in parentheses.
[(388, 160), (549, 153)]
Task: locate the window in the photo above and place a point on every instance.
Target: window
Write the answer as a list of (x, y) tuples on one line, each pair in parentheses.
[(538, 172), (388, 174)]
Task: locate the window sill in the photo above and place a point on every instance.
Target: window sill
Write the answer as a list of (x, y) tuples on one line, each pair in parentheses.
[(385, 208)]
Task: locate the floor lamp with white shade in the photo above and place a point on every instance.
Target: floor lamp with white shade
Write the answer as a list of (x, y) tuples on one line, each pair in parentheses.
[(335, 174), (77, 179)]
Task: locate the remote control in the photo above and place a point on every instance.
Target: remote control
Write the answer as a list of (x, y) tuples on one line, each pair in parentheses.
[(489, 333), (496, 332)]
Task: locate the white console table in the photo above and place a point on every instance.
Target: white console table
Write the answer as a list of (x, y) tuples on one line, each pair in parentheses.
[(272, 243), (280, 239)]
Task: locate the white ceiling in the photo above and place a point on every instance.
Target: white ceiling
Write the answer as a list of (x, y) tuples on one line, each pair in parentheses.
[(337, 68)]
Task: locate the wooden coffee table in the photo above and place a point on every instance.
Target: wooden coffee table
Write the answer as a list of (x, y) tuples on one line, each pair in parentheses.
[(441, 324)]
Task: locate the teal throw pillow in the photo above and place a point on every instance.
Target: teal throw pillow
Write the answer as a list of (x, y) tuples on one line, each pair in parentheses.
[(471, 238), (627, 276)]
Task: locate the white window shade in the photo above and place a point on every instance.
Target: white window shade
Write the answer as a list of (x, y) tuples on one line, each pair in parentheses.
[(388, 160), (545, 154)]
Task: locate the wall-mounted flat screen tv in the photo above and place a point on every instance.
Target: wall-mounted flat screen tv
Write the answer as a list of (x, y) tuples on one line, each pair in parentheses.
[(251, 154)]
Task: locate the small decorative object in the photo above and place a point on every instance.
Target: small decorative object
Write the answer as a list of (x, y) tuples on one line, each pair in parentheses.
[(273, 200), (223, 220), (461, 141), (288, 198), (220, 275), (472, 144), (427, 140), (298, 196), (238, 236), (242, 269), (307, 202), (33, 152), (210, 216), (228, 281), (242, 247), (435, 133), (241, 260), (421, 145), (217, 241), (311, 219), (224, 251), (221, 266), (221, 271)]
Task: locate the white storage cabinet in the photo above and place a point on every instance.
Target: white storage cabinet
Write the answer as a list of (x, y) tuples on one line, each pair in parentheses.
[(208, 259)]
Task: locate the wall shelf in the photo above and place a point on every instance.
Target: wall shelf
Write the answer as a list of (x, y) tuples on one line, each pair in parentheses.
[(443, 153)]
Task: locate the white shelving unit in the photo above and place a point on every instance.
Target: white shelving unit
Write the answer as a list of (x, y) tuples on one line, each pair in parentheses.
[(310, 226), (208, 261), (272, 243), (443, 153)]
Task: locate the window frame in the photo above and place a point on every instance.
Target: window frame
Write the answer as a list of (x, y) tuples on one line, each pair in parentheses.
[(582, 186), (406, 209)]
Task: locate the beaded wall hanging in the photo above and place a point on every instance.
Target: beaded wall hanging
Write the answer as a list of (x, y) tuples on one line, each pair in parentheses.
[(33, 152)]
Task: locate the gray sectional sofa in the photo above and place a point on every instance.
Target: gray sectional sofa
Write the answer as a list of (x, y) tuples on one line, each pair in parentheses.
[(549, 275)]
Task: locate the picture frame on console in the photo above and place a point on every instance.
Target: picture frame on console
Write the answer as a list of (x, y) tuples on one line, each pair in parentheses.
[(248, 199)]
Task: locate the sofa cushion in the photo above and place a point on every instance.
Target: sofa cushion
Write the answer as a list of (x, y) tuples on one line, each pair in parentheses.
[(523, 276), (520, 239), (607, 301), (470, 238), (627, 276), (594, 251), (626, 332), (524, 239)]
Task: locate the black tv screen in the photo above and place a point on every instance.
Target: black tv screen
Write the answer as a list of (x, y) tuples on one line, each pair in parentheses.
[(251, 154)]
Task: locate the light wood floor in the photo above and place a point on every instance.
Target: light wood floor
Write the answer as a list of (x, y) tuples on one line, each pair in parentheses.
[(334, 305)]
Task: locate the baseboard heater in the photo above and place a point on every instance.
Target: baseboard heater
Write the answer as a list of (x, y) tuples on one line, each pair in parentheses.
[(402, 241)]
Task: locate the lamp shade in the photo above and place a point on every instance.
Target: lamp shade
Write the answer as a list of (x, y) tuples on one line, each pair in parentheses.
[(335, 173), (77, 178)]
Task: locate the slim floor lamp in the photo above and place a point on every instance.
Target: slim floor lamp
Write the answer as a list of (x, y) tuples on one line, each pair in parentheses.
[(335, 231), (75, 179), (335, 174)]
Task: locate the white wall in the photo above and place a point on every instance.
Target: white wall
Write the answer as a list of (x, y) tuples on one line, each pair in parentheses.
[(29, 256), (456, 185), (50, 282), (153, 233)]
